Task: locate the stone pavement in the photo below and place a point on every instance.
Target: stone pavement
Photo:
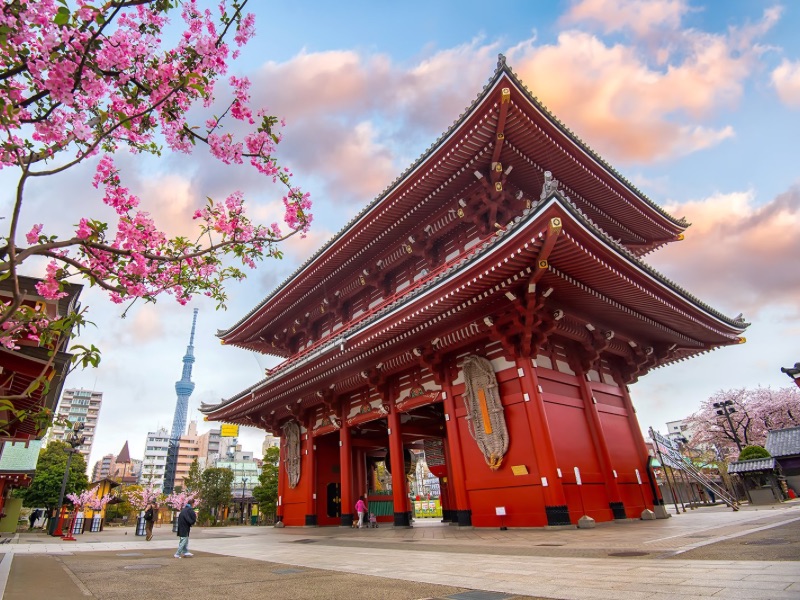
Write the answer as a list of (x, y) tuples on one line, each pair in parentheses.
[(708, 552)]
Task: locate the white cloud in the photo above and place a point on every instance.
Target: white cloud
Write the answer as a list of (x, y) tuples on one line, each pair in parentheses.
[(786, 80)]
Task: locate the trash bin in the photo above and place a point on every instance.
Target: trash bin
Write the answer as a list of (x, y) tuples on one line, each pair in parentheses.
[(77, 527), (97, 521), (140, 526)]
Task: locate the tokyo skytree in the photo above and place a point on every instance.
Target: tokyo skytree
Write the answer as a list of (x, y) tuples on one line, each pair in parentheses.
[(183, 389)]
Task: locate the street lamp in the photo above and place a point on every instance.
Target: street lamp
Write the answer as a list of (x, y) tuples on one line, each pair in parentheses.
[(793, 372), (726, 408), (74, 440), (244, 483)]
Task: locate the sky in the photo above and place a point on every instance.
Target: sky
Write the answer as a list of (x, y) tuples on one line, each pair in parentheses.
[(696, 103)]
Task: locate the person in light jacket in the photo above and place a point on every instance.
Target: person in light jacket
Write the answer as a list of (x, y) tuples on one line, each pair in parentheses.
[(186, 519)]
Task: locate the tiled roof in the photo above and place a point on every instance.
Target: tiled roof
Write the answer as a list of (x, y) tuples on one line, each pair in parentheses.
[(784, 442), (749, 466), (18, 457), (502, 69)]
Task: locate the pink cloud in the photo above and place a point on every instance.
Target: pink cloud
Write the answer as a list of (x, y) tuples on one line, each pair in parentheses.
[(638, 16), (632, 111), (786, 80), (347, 113), (742, 254)]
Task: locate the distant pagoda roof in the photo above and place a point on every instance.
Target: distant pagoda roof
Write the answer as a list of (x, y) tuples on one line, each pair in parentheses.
[(124, 455)]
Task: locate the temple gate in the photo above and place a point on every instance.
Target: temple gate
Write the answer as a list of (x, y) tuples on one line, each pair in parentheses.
[(493, 303)]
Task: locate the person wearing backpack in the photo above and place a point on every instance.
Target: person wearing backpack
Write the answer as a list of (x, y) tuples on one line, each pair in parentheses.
[(149, 519)]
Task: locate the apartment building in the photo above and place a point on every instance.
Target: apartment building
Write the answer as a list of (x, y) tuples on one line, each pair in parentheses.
[(78, 406), (155, 458)]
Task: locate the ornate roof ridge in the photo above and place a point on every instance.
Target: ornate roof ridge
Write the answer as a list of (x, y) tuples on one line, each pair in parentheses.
[(478, 251), (501, 65)]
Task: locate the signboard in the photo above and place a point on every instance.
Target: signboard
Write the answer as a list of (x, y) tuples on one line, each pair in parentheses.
[(671, 455), (500, 511), (577, 476), (519, 469), (227, 430)]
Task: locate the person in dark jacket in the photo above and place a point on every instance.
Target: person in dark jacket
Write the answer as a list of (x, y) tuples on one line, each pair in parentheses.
[(149, 519), (186, 519)]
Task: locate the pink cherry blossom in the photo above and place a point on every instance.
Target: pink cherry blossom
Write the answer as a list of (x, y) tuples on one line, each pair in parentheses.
[(99, 80)]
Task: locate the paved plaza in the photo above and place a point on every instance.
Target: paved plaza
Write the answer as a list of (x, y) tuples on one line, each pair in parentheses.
[(711, 552)]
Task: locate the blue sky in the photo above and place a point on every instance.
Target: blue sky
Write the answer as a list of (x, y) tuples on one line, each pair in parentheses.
[(697, 103)]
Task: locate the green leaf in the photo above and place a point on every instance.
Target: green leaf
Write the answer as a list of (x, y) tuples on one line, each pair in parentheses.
[(62, 16)]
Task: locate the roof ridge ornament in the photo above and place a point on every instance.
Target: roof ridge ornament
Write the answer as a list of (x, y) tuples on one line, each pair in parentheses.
[(501, 61)]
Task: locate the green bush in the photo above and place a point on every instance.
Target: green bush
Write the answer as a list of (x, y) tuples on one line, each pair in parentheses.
[(751, 452)]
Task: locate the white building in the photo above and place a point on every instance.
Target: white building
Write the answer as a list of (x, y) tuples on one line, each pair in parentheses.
[(78, 406), (270, 441), (679, 429), (155, 458)]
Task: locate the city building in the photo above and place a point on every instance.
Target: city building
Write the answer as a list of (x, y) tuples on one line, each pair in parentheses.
[(493, 298), (246, 471), (124, 470), (208, 447), (31, 360), (679, 429), (78, 406), (188, 452), (102, 468), (155, 458), (270, 441)]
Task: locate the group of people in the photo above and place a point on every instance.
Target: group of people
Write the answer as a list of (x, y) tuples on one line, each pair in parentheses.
[(186, 519), (361, 511)]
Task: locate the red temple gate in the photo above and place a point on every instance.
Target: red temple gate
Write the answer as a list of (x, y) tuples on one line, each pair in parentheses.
[(482, 302)]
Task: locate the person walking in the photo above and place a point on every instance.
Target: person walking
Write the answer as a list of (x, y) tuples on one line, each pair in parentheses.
[(186, 519), (149, 519), (361, 509)]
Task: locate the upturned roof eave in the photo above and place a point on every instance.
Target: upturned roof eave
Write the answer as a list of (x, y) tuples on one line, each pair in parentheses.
[(502, 70), (736, 327)]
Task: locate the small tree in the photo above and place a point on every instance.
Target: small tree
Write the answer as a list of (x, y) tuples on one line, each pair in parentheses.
[(266, 492), (193, 481), (215, 489), (751, 452), (49, 475)]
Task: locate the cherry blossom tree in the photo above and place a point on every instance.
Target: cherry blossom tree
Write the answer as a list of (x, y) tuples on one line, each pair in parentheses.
[(83, 499), (756, 411), (177, 500), (85, 80), (141, 497)]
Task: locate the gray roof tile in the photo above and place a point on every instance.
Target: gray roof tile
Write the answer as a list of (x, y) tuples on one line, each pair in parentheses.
[(749, 466), (784, 442)]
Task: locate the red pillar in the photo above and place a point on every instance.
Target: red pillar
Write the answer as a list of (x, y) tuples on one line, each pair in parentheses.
[(309, 474), (646, 472), (346, 470), (455, 468), (555, 500), (397, 460), (601, 447)]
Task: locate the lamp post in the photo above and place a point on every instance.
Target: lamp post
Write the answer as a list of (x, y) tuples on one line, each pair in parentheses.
[(793, 373), (244, 483), (726, 408), (74, 440)]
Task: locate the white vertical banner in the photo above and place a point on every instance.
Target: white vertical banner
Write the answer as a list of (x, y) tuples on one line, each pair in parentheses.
[(578, 476)]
